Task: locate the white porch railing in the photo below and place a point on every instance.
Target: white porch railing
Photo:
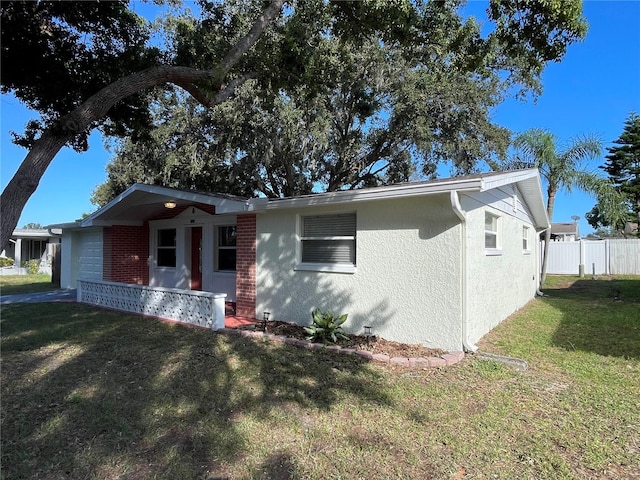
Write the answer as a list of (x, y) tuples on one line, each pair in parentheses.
[(189, 306)]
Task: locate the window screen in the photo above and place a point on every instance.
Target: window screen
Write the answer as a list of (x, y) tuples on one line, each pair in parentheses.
[(329, 239)]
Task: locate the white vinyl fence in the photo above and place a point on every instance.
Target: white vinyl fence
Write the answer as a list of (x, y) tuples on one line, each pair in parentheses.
[(599, 257)]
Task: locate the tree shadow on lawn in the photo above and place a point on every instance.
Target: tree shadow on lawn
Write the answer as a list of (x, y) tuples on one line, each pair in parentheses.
[(89, 393), (599, 315)]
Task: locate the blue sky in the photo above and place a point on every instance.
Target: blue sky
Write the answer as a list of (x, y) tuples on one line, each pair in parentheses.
[(592, 91)]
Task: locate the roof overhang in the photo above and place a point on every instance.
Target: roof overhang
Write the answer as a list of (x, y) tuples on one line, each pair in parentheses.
[(528, 182), (33, 233), (142, 202)]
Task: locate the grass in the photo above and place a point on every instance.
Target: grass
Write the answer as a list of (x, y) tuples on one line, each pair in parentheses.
[(13, 284), (90, 394)]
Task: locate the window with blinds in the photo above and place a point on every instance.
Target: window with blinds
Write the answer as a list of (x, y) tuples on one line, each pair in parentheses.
[(329, 239)]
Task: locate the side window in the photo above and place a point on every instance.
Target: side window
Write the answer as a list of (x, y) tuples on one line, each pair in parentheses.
[(329, 239), (166, 247), (491, 231), (226, 248), (525, 238)]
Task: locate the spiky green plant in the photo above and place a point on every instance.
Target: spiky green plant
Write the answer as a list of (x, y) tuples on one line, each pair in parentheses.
[(326, 327)]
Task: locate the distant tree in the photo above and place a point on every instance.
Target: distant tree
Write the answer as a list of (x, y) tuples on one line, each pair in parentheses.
[(560, 169), (604, 232), (623, 167), (32, 226)]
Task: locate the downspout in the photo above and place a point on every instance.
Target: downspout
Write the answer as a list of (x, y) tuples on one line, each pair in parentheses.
[(540, 250), (457, 209)]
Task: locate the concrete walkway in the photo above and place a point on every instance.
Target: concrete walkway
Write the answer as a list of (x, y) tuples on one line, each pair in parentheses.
[(63, 295)]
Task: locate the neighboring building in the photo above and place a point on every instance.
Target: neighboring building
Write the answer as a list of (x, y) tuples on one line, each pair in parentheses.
[(565, 232), (30, 244), (631, 229), (438, 263)]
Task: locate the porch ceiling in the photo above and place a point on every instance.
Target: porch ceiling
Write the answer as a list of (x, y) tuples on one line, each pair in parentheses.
[(143, 202), (136, 208)]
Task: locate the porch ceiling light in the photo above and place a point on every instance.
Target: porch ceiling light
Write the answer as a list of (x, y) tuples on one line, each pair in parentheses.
[(170, 204)]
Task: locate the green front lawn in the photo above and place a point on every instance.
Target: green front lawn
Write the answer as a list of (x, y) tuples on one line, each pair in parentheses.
[(12, 284), (92, 394)]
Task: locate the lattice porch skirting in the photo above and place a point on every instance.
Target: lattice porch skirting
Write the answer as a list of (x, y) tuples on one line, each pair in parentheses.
[(189, 306)]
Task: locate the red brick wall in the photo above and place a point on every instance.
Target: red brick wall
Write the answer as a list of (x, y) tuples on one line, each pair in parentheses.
[(126, 248), (246, 266), (126, 254)]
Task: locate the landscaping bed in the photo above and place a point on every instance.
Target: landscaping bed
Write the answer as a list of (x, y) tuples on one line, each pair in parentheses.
[(373, 344)]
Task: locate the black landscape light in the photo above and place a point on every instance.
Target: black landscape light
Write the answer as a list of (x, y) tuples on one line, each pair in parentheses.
[(367, 333), (265, 319)]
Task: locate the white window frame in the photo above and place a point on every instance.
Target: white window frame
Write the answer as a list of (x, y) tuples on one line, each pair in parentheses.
[(328, 266), (159, 247), (526, 241), (497, 250), (219, 247)]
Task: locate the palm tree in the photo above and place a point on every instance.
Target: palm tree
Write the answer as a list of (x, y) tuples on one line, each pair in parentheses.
[(561, 169)]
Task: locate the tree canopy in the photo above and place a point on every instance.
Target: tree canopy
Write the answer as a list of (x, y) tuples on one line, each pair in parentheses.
[(377, 116), (80, 48), (96, 64)]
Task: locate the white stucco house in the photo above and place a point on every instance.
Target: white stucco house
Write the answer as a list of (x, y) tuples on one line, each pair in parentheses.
[(438, 263)]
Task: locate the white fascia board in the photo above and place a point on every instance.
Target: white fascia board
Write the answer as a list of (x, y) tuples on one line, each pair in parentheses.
[(223, 205), (32, 233), (230, 206), (532, 195), (88, 221), (64, 226), (528, 182), (507, 178), (379, 193), (109, 223)]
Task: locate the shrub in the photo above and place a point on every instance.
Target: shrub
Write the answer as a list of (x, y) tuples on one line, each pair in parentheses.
[(6, 262), (32, 266), (326, 327)]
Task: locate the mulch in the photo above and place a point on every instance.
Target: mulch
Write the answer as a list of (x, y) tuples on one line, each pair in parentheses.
[(373, 344)]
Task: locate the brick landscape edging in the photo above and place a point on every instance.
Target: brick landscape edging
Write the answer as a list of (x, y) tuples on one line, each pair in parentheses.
[(444, 360)]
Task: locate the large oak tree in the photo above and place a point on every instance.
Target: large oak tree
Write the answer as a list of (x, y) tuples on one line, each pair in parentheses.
[(95, 63)]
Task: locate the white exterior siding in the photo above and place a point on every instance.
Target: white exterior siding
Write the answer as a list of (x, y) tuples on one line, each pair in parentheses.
[(180, 275), (90, 248), (81, 256), (406, 283), (498, 284)]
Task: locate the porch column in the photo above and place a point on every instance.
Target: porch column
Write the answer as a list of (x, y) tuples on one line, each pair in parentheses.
[(218, 311), (246, 266), (18, 253)]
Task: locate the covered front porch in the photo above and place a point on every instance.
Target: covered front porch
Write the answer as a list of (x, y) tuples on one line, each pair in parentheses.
[(191, 307), (166, 240)]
